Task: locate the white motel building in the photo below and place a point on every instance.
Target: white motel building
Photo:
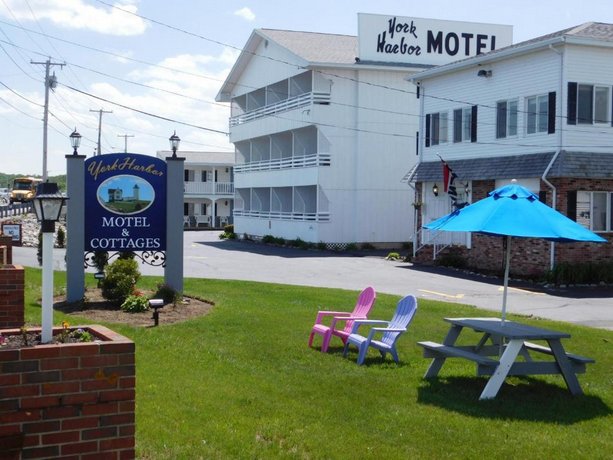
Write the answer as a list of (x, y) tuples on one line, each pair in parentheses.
[(325, 127), (542, 113)]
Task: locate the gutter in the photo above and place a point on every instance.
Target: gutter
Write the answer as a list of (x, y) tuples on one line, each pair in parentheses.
[(490, 57)]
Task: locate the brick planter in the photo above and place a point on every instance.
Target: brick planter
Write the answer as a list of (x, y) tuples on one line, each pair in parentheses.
[(73, 400), (11, 296)]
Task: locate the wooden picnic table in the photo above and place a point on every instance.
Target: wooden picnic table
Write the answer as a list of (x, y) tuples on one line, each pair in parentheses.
[(507, 341)]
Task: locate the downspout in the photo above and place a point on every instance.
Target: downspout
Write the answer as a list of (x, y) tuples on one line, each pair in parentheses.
[(420, 149), (554, 196)]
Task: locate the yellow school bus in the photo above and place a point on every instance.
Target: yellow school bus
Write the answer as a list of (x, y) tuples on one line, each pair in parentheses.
[(24, 189)]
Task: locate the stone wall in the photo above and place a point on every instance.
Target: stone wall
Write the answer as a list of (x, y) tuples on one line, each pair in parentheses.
[(11, 296), (68, 400)]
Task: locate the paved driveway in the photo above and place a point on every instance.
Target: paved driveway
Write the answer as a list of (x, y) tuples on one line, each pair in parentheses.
[(206, 256)]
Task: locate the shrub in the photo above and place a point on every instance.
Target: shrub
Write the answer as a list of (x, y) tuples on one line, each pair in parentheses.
[(299, 243), (119, 279), (322, 246), (452, 260), (167, 294), (367, 246), (581, 273), (135, 304), (228, 233), (393, 256), (61, 237), (100, 259), (270, 239), (351, 247)]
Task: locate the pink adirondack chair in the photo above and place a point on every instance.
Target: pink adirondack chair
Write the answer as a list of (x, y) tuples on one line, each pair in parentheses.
[(365, 301)]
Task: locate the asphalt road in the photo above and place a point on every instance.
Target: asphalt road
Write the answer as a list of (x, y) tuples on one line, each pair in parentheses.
[(206, 256)]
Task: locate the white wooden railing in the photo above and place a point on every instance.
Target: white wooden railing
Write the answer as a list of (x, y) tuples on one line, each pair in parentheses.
[(300, 216), (315, 159), (209, 188), (283, 106)]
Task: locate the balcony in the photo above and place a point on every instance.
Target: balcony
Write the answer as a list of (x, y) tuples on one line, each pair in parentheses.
[(315, 159), (303, 100), (209, 188), (294, 216)]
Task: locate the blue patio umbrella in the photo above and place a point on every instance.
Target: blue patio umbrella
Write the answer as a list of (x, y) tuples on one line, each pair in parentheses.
[(513, 211)]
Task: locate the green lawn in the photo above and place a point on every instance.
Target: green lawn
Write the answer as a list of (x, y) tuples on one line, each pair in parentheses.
[(242, 383)]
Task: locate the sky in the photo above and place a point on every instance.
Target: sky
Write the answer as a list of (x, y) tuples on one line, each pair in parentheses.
[(157, 65)]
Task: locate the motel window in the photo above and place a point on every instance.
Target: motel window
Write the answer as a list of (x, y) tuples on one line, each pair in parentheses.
[(462, 124), (536, 116), (588, 104), (506, 119), (594, 210), (436, 128)]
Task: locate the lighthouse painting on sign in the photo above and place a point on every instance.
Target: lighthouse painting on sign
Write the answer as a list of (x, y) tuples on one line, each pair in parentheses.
[(125, 194)]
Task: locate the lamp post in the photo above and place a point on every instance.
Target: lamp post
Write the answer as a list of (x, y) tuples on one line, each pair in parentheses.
[(48, 205), (75, 141), (174, 144)]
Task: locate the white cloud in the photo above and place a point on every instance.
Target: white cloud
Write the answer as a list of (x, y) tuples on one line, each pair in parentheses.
[(75, 14), (245, 13)]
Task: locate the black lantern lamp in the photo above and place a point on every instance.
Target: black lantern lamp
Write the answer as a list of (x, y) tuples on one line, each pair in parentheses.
[(48, 204), (435, 190), (174, 143), (75, 141)]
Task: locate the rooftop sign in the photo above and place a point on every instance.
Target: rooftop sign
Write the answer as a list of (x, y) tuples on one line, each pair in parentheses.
[(408, 40)]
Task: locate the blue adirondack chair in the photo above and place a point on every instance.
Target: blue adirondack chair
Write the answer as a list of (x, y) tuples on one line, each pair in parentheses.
[(389, 331)]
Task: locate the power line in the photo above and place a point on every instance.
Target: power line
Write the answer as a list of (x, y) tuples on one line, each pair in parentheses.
[(144, 112)]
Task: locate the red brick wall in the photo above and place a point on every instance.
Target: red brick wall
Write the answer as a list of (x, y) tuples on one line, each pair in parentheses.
[(69, 400), (11, 296), (531, 257)]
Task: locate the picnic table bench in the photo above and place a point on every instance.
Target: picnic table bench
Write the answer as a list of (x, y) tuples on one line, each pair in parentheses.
[(508, 341)]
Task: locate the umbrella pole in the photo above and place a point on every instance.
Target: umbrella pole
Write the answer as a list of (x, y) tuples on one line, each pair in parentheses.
[(507, 260)]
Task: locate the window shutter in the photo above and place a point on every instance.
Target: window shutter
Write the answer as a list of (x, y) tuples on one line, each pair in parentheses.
[(428, 130), (551, 113), (416, 142), (473, 124), (571, 205), (434, 132), (186, 175), (457, 125), (571, 115), (543, 196)]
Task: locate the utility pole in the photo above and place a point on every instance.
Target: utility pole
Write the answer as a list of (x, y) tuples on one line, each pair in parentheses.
[(100, 112), (125, 141), (50, 83)]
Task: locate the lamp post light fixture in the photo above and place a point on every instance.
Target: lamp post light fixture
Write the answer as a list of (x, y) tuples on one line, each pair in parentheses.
[(435, 190), (75, 141), (48, 205), (174, 144)]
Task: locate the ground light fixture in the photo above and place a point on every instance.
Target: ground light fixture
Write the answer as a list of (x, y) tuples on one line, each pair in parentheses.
[(75, 141), (174, 143), (48, 205)]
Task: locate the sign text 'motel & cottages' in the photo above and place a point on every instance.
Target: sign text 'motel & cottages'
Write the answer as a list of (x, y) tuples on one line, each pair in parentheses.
[(125, 197)]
